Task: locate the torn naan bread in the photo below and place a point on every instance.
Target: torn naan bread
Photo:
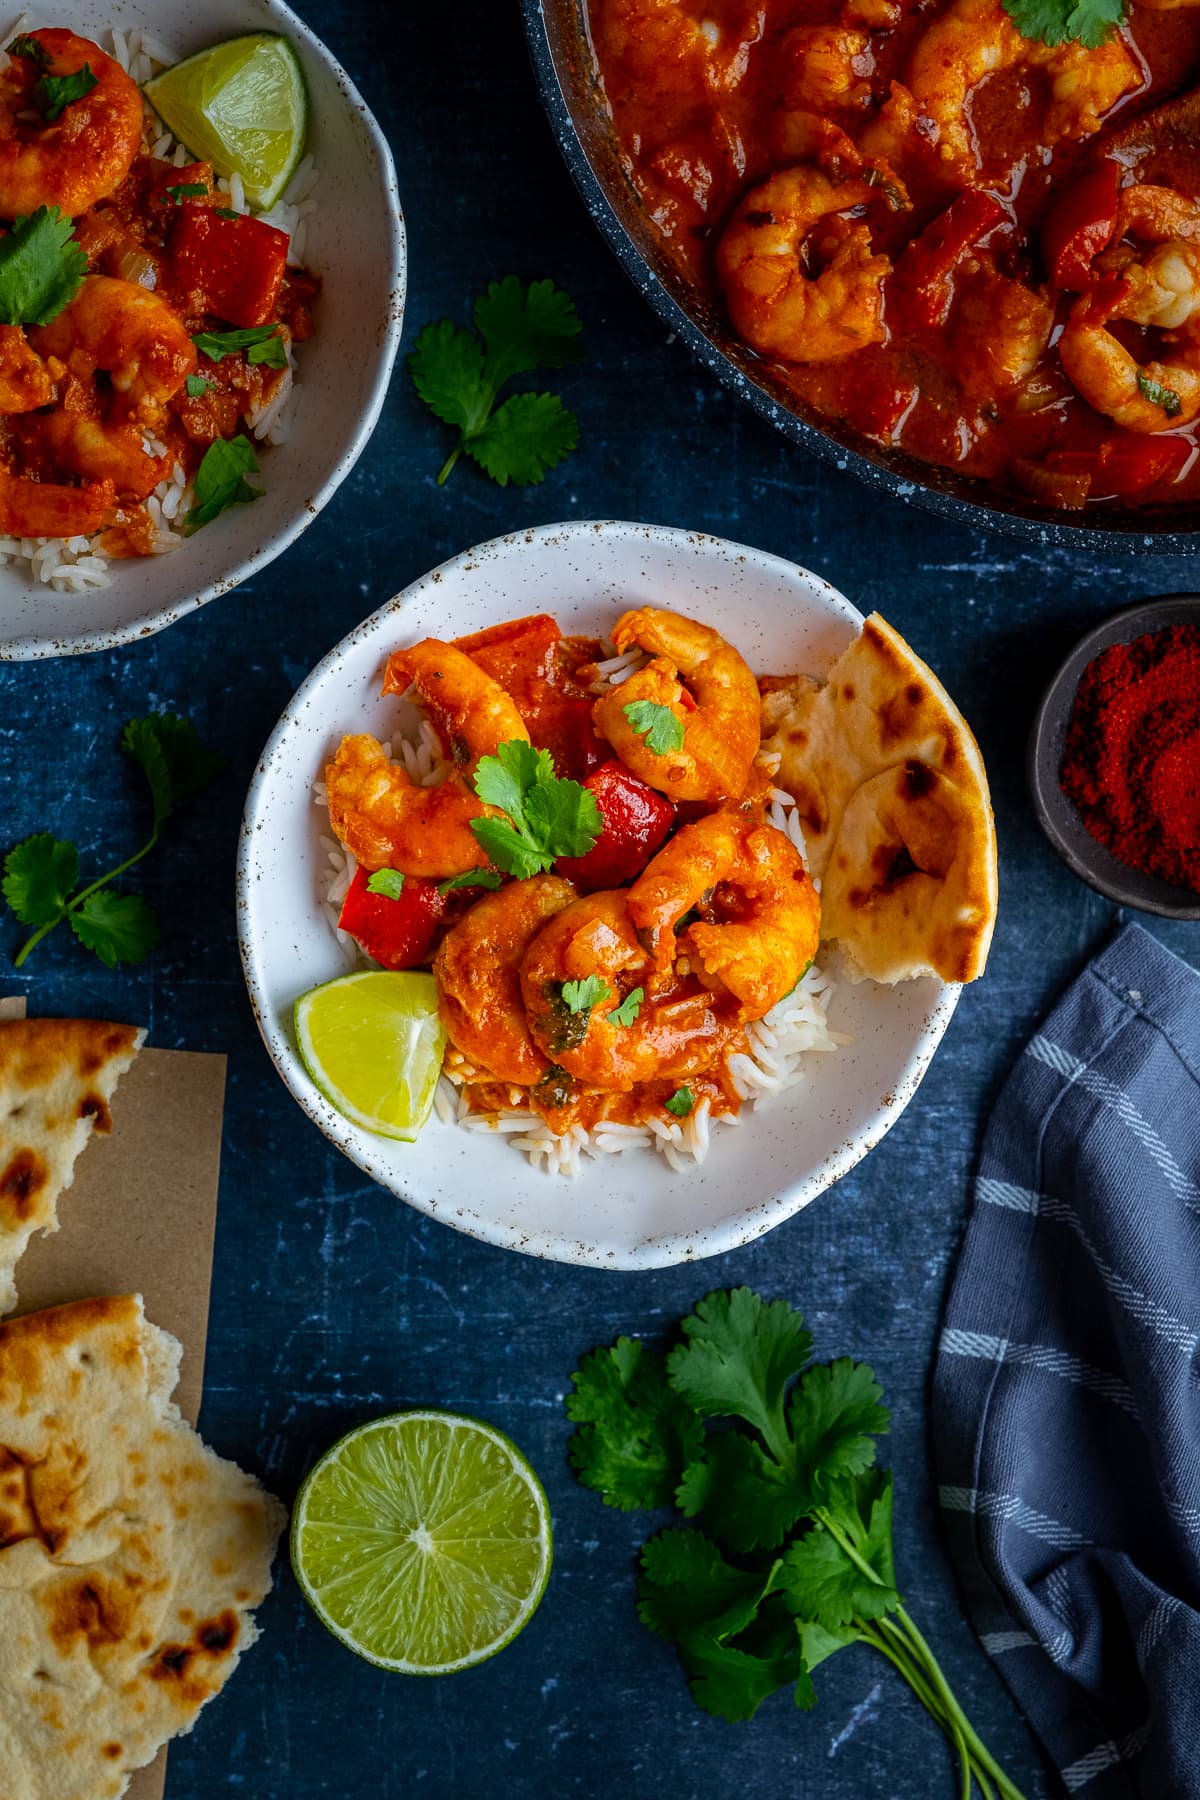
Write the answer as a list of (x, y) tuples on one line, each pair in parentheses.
[(893, 798), (57, 1080), (130, 1554)]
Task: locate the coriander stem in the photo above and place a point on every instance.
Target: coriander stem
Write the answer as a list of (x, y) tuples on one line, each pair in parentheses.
[(899, 1654), (78, 899), (953, 1711), (450, 461), (979, 1750)]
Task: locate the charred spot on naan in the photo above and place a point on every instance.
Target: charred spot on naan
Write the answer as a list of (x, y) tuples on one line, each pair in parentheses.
[(24, 1178)]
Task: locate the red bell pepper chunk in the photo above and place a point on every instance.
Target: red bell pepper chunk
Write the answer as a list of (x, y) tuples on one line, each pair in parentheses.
[(231, 267), (922, 282), (400, 933), (1081, 223), (636, 820), (1125, 464)]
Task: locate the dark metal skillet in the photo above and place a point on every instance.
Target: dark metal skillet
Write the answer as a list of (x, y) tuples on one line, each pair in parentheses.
[(558, 42)]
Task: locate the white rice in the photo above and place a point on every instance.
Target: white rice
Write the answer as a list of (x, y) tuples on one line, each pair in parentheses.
[(72, 565), (773, 1062)]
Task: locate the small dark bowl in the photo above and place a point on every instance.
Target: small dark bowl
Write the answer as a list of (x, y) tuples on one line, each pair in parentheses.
[(565, 65), (1057, 815)]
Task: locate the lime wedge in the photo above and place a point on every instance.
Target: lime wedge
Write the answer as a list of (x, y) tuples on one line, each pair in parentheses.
[(373, 1043), (243, 107), (422, 1541)]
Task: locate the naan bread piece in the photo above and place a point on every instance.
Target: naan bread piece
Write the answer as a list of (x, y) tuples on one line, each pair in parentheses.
[(57, 1080), (130, 1554), (893, 797)]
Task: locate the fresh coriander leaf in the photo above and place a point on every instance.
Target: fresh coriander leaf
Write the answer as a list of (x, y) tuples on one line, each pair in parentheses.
[(197, 385), (261, 344), (120, 928), (526, 328), (508, 848), (820, 1581), (627, 1012), (833, 1415), (484, 878), (39, 876), (53, 92), (818, 1643), (31, 48), (563, 816), (740, 1354), (524, 437), (1090, 22), (634, 1434), (744, 1495), (175, 763), (459, 378), (388, 882), (681, 1102), (687, 1585), (446, 365), (187, 190), (506, 779), (41, 268), (732, 1684), (547, 817), (1158, 395), (227, 212), (581, 996), (221, 480), (659, 726)]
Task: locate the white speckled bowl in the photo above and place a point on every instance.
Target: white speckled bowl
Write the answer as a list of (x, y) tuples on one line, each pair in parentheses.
[(628, 1211), (356, 243)]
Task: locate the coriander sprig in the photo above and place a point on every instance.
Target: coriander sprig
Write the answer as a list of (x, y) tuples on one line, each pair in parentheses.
[(41, 874), (1088, 22), (546, 817), (459, 376), (791, 1488)]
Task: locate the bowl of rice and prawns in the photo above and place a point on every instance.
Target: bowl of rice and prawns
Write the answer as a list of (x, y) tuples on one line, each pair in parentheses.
[(623, 837), (201, 288)]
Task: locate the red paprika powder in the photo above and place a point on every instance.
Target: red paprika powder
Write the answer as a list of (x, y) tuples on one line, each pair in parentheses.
[(1132, 756)]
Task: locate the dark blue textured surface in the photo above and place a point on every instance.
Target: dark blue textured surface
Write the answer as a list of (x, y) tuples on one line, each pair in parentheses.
[(331, 1301)]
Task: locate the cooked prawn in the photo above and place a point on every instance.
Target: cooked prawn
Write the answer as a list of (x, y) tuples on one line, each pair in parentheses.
[(99, 450), (662, 42), (33, 509), (705, 684), (975, 39), (127, 333), (1163, 282), (477, 969), (25, 381), (1144, 397), (775, 304), (87, 151), (766, 915), (380, 815), (679, 1027), (826, 65)]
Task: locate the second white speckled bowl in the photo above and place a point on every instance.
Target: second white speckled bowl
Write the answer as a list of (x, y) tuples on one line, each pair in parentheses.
[(622, 1212), (356, 244)]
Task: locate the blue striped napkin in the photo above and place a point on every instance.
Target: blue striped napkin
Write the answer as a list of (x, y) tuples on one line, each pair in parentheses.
[(1067, 1388)]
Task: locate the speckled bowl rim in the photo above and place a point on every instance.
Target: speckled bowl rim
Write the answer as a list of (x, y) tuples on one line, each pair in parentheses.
[(654, 1252), (1083, 854), (1126, 538), (33, 647)]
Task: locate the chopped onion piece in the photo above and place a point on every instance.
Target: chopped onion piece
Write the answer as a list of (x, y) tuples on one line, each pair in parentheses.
[(136, 266)]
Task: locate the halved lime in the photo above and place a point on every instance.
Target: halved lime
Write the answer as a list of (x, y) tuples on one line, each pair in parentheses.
[(373, 1043), (422, 1541), (243, 107)]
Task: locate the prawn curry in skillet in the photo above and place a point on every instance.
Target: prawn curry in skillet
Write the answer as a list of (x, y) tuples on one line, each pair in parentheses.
[(942, 232)]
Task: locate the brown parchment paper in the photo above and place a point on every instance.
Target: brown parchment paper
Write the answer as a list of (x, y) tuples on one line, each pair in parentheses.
[(139, 1217)]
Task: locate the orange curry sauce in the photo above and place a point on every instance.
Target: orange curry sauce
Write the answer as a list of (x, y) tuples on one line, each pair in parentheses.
[(694, 144)]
